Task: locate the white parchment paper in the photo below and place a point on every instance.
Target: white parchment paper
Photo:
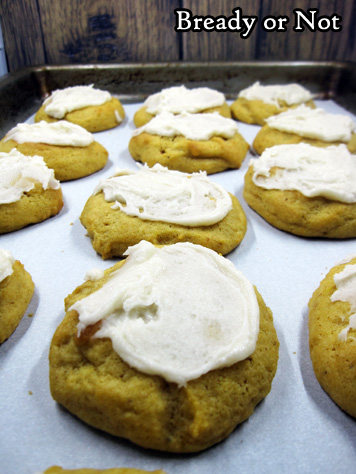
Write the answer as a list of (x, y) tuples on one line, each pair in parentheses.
[(296, 429)]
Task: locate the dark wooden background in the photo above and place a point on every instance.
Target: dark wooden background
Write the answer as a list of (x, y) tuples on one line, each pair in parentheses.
[(57, 32)]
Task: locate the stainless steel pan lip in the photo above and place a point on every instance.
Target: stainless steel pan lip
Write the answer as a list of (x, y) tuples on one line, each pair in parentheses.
[(22, 91)]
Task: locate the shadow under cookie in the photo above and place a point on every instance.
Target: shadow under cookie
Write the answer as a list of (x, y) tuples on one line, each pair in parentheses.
[(114, 470)]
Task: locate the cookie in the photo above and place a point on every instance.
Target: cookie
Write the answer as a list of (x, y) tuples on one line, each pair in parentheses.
[(16, 290), (179, 99), (29, 194), (66, 148), (162, 207), (304, 125), (286, 187), (176, 401), (332, 335), (256, 103), (93, 109), (115, 470), (190, 143)]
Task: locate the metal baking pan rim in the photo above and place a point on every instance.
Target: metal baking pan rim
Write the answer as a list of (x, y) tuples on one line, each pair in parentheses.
[(22, 91)]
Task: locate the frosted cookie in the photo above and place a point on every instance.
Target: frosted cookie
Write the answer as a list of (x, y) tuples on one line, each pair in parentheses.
[(256, 103), (29, 193), (16, 290), (68, 149), (305, 190), (93, 109), (305, 125), (332, 334), (162, 207), (179, 99), (115, 470), (190, 143), (149, 353)]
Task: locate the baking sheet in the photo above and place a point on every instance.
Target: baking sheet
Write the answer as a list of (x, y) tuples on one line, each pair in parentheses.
[(297, 428)]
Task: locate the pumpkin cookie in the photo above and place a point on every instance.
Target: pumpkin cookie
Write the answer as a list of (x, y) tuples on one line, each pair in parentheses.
[(332, 334), (304, 125), (28, 191), (68, 149), (305, 190), (190, 143), (179, 99), (162, 207), (256, 103), (163, 362), (16, 290), (93, 109)]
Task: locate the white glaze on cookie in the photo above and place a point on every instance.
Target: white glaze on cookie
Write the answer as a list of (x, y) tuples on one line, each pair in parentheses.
[(191, 126), (291, 94), (178, 311), (345, 282), (6, 264), (62, 101), (20, 173), (159, 194), (314, 123), (61, 133), (179, 99), (329, 172)]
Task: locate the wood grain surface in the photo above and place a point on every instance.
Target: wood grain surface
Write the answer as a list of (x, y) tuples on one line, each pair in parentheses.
[(309, 45), (107, 31), (219, 45), (40, 32), (21, 27)]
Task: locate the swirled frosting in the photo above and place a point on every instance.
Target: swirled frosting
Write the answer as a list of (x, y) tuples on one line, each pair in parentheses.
[(6, 264), (345, 282), (177, 311), (313, 171), (62, 101), (20, 173), (179, 99), (291, 94), (60, 133), (192, 126), (159, 194), (314, 123)]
